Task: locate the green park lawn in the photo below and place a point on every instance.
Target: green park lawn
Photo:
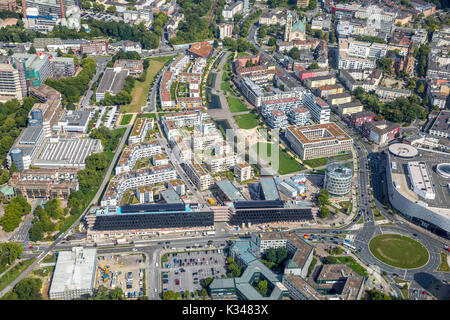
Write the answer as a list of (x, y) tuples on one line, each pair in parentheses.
[(126, 119), (286, 163), (399, 251), (246, 121), (140, 90), (236, 105), (319, 162)]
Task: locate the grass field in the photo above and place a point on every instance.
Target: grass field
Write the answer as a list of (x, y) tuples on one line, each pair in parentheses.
[(444, 264), (399, 251), (236, 105), (126, 119), (246, 121), (147, 115), (140, 90), (354, 265), (286, 163), (13, 273), (319, 162)]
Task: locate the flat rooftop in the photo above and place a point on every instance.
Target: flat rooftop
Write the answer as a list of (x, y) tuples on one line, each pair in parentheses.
[(269, 188), (441, 202), (74, 270), (112, 81), (318, 133), (67, 152), (230, 191)]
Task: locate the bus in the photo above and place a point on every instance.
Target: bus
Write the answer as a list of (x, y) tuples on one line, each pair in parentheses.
[(348, 245)]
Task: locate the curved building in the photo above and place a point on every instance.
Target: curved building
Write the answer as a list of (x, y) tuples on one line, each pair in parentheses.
[(443, 170), (433, 215), (338, 179)]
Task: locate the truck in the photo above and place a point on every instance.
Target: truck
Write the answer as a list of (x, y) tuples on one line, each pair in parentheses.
[(210, 233), (121, 241)]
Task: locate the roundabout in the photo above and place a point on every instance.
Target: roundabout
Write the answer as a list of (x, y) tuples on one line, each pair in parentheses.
[(399, 251)]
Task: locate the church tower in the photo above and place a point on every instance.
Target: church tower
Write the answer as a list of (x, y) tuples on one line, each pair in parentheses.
[(288, 27)]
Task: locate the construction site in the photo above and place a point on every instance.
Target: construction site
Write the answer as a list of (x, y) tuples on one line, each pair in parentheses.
[(124, 271)]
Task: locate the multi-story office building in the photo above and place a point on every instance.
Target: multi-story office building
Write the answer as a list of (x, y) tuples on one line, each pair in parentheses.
[(74, 274), (349, 108), (74, 121), (338, 179), (318, 141), (230, 11), (319, 109), (47, 114), (36, 68), (339, 98), (146, 219), (441, 125), (10, 85), (26, 147)]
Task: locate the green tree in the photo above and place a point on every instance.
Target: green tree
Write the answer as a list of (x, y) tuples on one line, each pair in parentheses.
[(421, 88), (374, 294), (203, 293), (117, 294), (32, 50), (262, 287), (29, 289), (187, 295), (271, 255), (112, 9), (282, 254), (177, 295), (313, 66), (385, 64), (272, 42), (294, 53), (324, 212)]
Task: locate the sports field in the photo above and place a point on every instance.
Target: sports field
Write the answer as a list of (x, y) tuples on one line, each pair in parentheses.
[(399, 251)]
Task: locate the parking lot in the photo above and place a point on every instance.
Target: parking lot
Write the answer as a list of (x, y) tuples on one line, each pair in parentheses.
[(125, 271), (187, 271)]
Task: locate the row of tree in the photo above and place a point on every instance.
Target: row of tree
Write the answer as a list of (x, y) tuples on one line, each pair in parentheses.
[(171, 295), (13, 118)]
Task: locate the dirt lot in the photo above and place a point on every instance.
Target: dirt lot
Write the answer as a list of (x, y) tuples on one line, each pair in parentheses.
[(118, 266)]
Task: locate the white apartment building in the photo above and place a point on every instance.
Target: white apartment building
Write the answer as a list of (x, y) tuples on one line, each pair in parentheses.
[(140, 129), (318, 109), (135, 152), (220, 163), (10, 87), (225, 30), (130, 180), (358, 54), (201, 179), (234, 8), (243, 171)]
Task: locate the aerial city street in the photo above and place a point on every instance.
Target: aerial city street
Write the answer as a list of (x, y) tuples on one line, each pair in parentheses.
[(224, 150)]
